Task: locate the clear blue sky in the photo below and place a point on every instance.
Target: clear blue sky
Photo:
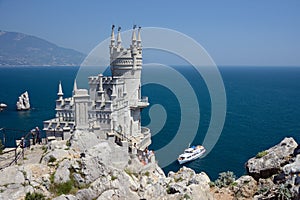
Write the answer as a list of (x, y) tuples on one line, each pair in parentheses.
[(234, 32)]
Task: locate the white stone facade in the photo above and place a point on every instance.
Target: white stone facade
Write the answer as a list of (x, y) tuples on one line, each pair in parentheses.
[(111, 108)]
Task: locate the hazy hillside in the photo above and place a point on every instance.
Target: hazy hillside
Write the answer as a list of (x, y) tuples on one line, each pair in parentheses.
[(21, 49)]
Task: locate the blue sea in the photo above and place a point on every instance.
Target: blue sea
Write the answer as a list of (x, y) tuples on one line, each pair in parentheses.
[(262, 109)]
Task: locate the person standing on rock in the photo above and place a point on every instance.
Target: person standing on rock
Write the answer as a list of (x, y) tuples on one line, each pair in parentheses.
[(33, 136), (38, 132), (22, 143)]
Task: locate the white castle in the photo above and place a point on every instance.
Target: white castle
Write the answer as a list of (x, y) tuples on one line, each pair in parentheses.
[(112, 106)]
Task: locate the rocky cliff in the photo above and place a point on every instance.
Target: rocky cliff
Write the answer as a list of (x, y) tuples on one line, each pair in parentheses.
[(89, 168)]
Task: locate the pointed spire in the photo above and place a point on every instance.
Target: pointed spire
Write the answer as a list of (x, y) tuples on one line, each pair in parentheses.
[(119, 41), (139, 40), (74, 86), (133, 36), (60, 93), (112, 40)]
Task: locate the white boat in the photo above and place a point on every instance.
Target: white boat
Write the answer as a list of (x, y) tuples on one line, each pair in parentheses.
[(2, 106), (23, 102), (191, 153)]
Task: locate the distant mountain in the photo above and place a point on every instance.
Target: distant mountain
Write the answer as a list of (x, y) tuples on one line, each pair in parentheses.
[(21, 49)]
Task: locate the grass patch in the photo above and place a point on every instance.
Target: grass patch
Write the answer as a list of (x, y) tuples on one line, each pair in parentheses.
[(234, 184), (34, 196), (261, 154), (178, 179), (62, 188), (186, 196), (113, 177), (147, 173), (130, 173)]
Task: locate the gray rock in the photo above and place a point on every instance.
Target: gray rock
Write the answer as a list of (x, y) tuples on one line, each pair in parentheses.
[(62, 173), (78, 179), (15, 191), (86, 194), (65, 197), (246, 187), (36, 174), (11, 175), (58, 154), (271, 163), (83, 140), (293, 167)]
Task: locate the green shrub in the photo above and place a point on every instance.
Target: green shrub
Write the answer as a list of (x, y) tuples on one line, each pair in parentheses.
[(113, 177), (52, 159), (225, 179), (283, 192), (68, 143), (1, 147), (34, 196), (147, 173), (261, 154), (62, 188), (186, 196)]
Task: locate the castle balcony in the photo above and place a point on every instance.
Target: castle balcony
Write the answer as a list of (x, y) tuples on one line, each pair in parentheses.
[(145, 140), (140, 103)]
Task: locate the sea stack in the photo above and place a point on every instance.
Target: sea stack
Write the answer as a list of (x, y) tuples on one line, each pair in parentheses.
[(23, 102)]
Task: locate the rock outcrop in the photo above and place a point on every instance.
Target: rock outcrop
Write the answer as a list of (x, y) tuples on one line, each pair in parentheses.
[(264, 166), (99, 169), (90, 168)]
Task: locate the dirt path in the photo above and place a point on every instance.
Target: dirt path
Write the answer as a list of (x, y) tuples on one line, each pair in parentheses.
[(31, 155)]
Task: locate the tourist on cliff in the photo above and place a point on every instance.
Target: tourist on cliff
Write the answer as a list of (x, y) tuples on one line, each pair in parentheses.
[(33, 134), (38, 132)]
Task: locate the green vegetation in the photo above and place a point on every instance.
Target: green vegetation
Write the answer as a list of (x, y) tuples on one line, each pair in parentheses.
[(178, 179), (68, 143), (225, 179), (261, 154), (113, 177), (62, 188), (186, 196), (52, 159), (234, 184), (34, 196), (147, 173), (284, 192), (1, 147), (211, 184), (130, 173)]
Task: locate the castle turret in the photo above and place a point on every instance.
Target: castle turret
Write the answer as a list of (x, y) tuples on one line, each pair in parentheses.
[(139, 40), (60, 94), (112, 38), (119, 40), (127, 64), (133, 38), (74, 87)]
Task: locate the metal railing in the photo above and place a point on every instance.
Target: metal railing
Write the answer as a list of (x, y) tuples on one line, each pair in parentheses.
[(17, 154)]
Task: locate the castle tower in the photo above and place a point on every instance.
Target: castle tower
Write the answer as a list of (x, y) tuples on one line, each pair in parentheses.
[(81, 102), (126, 63)]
